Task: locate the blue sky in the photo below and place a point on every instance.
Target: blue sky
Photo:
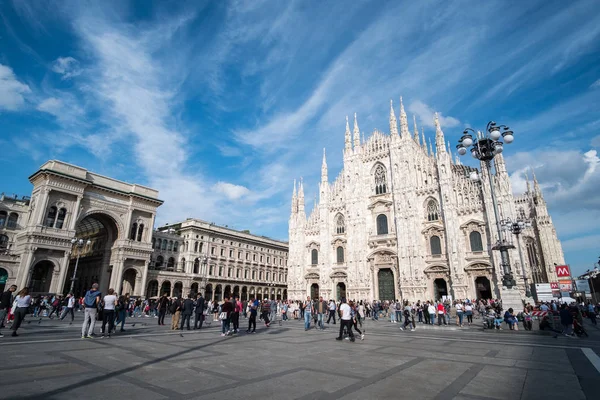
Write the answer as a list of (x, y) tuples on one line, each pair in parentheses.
[(220, 105)]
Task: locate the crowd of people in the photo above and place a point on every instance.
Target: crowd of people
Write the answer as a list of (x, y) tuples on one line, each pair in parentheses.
[(111, 310)]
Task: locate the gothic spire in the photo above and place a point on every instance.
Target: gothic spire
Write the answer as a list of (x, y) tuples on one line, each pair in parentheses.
[(294, 200), (393, 122), (424, 141), (440, 142), (431, 148), (536, 185), (528, 184), (324, 168), (450, 151), (301, 198), (416, 132), (356, 133), (403, 122), (348, 138)]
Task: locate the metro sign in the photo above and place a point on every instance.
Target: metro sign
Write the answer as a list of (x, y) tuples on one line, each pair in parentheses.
[(554, 285), (562, 271)]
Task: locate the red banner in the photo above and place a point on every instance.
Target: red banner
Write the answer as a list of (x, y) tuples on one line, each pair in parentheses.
[(554, 285), (562, 271)]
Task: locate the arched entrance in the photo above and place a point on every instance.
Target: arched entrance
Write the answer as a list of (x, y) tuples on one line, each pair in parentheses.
[(165, 288), (227, 291), (208, 292), (129, 281), (152, 289), (483, 288), (218, 293), (259, 293), (285, 294), (41, 277), (440, 288), (244, 293), (3, 279), (95, 258), (314, 291), (340, 290), (178, 289), (387, 290), (236, 291), (194, 289)]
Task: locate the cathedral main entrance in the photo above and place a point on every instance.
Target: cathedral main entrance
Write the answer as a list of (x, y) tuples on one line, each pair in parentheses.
[(440, 288), (483, 288), (387, 291), (340, 289)]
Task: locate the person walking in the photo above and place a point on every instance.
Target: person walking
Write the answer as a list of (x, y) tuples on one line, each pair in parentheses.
[(90, 304), (163, 303), (321, 308), (68, 309), (235, 317), (265, 312), (176, 311), (226, 311), (345, 321), (441, 310), (253, 304), (21, 306), (6, 301), (109, 303), (308, 309), (355, 319), (469, 313), (459, 313), (121, 311), (199, 312), (332, 310), (591, 313), (187, 308)]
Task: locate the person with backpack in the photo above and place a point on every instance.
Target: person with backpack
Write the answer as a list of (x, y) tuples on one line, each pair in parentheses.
[(175, 310), (91, 301)]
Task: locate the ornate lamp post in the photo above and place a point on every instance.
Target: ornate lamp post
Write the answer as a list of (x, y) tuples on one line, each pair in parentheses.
[(79, 243), (203, 279), (485, 147), (516, 228)]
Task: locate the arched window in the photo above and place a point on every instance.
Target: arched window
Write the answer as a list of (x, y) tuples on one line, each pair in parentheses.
[(164, 244), (60, 220), (51, 216), (171, 263), (195, 247), (432, 211), (201, 247), (12, 220), (133, 231), (382, 224), (196, 266), (340, 224), (159, 261), (314, 257), (176, 246), (140, 233), (159, 244), (3, 242), (436, 245), (153, 243), (476, 243), (170, 246), (380, 180), (340, 254), (3, 216)]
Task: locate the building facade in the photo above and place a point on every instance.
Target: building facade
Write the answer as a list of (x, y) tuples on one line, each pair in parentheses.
[(120, 249), (195, 256), (404, 221)]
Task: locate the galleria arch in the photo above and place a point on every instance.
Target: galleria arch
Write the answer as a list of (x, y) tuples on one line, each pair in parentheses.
[(116, 217)]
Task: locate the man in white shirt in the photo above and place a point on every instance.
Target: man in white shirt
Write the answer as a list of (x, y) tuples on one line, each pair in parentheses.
[(69, 308), (345, 320), (332, 308)]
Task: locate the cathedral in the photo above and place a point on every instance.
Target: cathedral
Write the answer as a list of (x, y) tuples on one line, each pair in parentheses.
[(404, 221)]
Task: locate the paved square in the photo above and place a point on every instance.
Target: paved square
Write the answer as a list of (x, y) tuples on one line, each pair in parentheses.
[(50, 361)]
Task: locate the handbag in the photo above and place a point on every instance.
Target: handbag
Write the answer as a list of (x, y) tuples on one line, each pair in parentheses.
[(223, 316)]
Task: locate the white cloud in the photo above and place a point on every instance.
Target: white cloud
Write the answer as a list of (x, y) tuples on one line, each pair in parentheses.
[(425, 115), (595, 85), (68, 67), (12, 92), (51, 105), (231, 191)]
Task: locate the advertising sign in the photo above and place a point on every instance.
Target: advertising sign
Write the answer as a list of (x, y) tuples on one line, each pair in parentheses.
[(565, 286), (554, 285), (583, 285), (562, 271)]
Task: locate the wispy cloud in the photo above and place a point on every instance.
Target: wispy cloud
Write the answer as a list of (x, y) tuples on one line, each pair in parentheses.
[(68, 67), (595, 85), (12, 91), (425, 115)]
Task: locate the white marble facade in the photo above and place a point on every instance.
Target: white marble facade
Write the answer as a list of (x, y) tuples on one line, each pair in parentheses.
[(402, 220)]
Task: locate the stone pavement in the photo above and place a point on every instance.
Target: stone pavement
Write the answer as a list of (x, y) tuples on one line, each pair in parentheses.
[(50, 361)]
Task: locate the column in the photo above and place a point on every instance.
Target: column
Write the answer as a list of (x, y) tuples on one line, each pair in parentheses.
[(144, 281), (139, 287), (116, 278), (64, 268), (40, 213), (25, 268)]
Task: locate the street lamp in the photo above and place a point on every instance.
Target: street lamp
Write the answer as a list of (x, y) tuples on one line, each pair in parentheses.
[(485, 146), (203, 279), (79, 243), (516, 228)]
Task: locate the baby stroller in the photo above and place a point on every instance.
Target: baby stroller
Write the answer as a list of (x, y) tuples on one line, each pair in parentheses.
[(578, 329)]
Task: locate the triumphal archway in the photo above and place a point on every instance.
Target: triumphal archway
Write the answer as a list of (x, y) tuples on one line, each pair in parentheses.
[(113, 219)]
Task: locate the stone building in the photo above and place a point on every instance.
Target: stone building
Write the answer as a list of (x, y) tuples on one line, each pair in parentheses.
[(404, 221), (124, 252), (196, 256)]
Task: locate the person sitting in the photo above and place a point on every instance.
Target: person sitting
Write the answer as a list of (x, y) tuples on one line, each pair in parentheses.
[(511, 320)]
